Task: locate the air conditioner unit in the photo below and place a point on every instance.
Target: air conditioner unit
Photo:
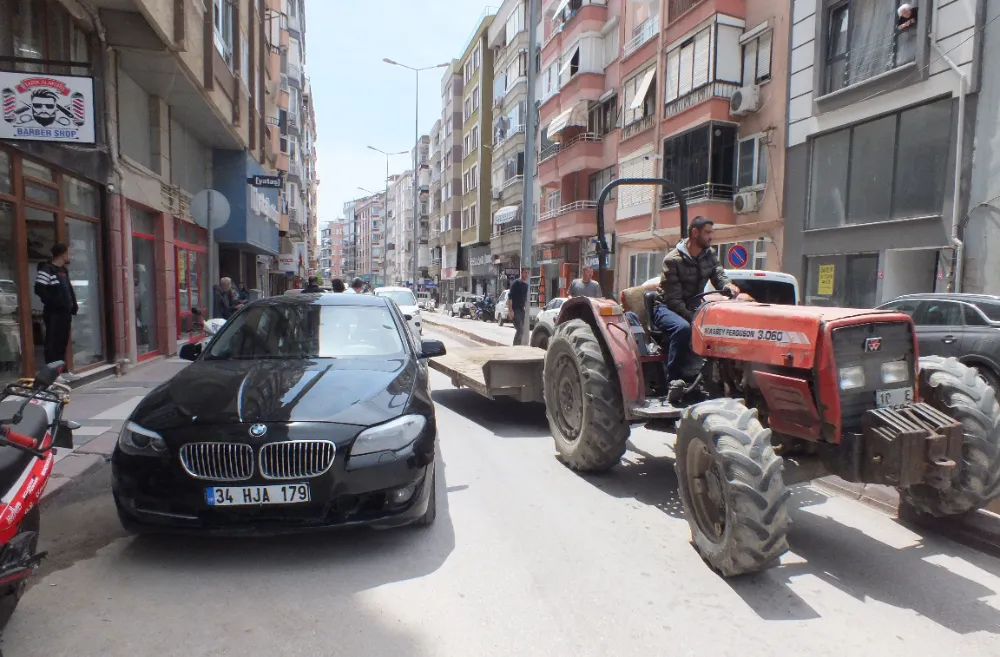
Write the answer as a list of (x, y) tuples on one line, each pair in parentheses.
[(745, 203), (745, 101)]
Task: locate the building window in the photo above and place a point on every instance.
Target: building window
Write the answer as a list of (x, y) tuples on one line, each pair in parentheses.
[(645, 266), (757, 59), (223, 24), (842, 281), (708, 56), (473, 217), (702, 161), (474, 176), (639, 96), (477, 58), (751, 162), (193, 286), (513, 167), (468, 109), (862, 42), (475, 98), (602, 117), (43, 31), (894, 167), (599, 181)]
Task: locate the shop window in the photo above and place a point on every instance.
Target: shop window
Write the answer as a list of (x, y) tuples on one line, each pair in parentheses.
[(83, 240), (894, 167), (845, 281), (11, 361), (145, 297), (6, 178), (80, 197), (43, 31)]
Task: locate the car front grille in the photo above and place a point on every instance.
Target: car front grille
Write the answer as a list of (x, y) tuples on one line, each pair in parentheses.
[(218, 461), (296, 459)]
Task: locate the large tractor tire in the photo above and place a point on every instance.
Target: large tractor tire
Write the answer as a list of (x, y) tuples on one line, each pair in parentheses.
[(583, 401), (731, 487), (958, 391)]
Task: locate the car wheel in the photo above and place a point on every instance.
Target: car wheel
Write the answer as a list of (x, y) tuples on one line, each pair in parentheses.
[(430, 514), (540, 338)]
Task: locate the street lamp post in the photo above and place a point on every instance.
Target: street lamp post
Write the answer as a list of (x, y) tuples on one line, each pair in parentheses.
[(416, 159), (387, 156)]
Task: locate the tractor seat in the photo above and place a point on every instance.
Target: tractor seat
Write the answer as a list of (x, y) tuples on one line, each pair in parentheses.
[(641, 301), (34, 423)]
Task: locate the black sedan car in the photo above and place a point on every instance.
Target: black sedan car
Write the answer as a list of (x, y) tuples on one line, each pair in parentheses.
[(305, 411)]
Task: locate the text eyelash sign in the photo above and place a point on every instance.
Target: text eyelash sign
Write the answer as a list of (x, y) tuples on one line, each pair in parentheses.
[(42, 107)]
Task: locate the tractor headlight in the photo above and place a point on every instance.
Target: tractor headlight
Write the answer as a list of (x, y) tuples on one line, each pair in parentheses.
[(852, 377), (895, 372)]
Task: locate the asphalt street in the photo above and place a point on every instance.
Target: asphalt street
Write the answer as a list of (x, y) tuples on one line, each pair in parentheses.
[(526, 558)]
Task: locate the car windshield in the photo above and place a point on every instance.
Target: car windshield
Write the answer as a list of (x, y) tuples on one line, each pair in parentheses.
[(990, 309), (298, 330), (8, 287), (401, 297)]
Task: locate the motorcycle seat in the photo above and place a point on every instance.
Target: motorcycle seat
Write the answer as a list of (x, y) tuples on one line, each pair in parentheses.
[(34, 423)]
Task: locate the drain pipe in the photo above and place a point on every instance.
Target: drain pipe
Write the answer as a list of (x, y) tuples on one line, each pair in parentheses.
[(957, 244)]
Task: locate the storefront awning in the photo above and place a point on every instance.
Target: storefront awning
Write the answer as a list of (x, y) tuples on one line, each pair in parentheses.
[(574, 116), (506, 214)]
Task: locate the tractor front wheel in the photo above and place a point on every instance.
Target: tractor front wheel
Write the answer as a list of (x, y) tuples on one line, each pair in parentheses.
[(731, 487), (958, 391), (583, 402)]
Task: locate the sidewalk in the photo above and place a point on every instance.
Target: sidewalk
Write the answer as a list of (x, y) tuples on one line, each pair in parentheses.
[(488, 333), (101, 408)]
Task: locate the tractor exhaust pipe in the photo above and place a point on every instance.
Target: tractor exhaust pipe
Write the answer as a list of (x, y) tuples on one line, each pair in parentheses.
[(602, 242)]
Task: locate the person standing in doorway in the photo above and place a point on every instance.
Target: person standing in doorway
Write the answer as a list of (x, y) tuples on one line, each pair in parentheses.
[(516, 299), (224, 302), (242, 294), (53, 287), (586, 286)]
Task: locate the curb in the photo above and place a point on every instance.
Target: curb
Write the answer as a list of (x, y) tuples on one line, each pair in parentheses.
[(489, 342)]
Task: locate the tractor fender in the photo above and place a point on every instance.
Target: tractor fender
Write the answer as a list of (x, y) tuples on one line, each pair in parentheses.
[(607, 319)]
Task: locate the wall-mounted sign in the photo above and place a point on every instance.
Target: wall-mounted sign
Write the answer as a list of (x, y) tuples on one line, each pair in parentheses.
[(273, 182), (263, 206), (287, 263), (40, 107)]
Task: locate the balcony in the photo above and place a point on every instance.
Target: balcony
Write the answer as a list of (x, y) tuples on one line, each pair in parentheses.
[(513, 180), (699, 194), (295, 75), (435, 262), (571, 221), (646, 31), (676, 8), (636, 127), (721, 90), (569, 208), (579, 16)]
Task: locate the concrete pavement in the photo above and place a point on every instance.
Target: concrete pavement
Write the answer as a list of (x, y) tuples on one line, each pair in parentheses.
[(526, 558)]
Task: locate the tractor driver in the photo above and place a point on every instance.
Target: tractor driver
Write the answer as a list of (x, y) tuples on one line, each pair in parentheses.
[(686, 270)]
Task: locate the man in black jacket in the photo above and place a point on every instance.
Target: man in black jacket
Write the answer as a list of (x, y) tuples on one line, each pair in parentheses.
[(516, 299), (53, 287), (686, 270)]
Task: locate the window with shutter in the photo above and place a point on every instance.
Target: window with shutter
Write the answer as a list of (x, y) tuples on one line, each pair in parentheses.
[(764, 57), (686, 69), (749, 62), (673, 72), (702, 58)]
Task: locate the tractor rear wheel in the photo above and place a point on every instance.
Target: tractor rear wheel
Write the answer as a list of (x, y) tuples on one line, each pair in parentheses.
[(731, 487), (958, 390), (583, 402)]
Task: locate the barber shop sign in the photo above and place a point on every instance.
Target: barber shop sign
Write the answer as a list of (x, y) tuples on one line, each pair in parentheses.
[(40, 107)]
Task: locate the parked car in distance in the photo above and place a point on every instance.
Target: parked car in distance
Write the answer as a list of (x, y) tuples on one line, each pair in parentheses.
[(463, 305), (407, 303), (962, 326), (545, 325), (302, 291), (502, 311)]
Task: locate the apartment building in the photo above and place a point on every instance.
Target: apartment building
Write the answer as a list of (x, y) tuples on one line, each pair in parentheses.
[(508, 38), (476, 67), (433, 279), (399, 215), (873, 181), (331, 250), (350, 240), (452, 93), (369, 225), (578, 88)]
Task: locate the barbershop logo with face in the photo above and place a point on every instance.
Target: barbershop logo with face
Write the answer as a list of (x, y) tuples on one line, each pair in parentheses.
[(41, 102)]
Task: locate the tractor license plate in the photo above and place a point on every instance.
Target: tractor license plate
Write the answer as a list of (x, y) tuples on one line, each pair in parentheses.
[(893, 398)]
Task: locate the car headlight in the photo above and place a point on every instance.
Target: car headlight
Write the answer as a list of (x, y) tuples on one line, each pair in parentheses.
[(389, 437), (852, 377), (139, 441), (895, 372)]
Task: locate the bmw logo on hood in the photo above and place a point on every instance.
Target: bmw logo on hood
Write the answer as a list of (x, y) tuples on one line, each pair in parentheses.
[(258, 430)]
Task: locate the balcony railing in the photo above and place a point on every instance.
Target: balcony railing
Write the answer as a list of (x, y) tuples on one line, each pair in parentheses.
[(295, 72), (569, 207), (645, 31), (549, 151), (509, 228), (502, 136), (695, 193), (677, 7), (700, 95), (435, 262), (634, 128), (513, 180)]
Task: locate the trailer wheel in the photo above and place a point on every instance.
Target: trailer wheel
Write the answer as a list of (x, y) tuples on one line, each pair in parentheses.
[(958, 390), (583, 402), (731, 487)]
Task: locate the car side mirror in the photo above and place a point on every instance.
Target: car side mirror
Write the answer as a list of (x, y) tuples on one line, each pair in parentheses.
[(408, 317), (190, 352), (432, 348)]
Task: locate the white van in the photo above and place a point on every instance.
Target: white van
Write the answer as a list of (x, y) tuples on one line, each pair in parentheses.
[(764, 286)]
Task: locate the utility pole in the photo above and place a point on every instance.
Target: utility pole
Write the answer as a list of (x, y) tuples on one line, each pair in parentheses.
[(528, 197)]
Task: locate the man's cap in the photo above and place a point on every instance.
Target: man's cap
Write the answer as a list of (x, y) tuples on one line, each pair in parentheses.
[(700, 222)]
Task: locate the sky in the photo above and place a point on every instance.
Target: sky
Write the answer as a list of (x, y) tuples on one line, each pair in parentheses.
[(360, 100)]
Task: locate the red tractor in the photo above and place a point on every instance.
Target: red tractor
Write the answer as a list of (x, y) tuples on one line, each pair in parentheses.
[(778, 395)]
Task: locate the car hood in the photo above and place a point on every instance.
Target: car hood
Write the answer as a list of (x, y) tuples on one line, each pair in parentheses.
[(343, 390), (409, 310)]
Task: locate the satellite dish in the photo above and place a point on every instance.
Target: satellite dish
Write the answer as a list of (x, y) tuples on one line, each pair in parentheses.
[(220, 209)]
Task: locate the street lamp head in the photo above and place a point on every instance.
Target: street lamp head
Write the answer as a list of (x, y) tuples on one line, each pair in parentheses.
[(389, 61)]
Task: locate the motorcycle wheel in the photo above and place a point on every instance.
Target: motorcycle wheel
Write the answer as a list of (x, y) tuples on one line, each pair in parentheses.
[(12, 594)]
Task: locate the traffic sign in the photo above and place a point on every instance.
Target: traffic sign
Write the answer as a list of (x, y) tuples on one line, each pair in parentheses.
[(738, 256), (272, 182)]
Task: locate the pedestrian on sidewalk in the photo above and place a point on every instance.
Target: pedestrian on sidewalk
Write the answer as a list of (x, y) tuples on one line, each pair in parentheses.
[(516, 299), (585, 286), (53, 287), (224, 302)]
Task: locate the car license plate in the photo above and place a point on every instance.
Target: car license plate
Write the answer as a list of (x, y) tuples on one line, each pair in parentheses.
[(893, 398), (257, 495)]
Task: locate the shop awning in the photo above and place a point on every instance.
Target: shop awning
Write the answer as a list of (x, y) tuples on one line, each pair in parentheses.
[(506, 214), (574, 116)]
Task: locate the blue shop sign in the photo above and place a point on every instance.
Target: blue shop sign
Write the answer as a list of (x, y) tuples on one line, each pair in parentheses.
[(253, 223)]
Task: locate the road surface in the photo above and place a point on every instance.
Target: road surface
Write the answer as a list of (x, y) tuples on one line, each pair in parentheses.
[(526, 558)]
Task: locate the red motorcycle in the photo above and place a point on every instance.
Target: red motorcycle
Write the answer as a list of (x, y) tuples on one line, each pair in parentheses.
[(31, 426)]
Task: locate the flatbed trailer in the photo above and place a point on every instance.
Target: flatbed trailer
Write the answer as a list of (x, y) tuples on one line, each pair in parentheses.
[(514, 372)]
